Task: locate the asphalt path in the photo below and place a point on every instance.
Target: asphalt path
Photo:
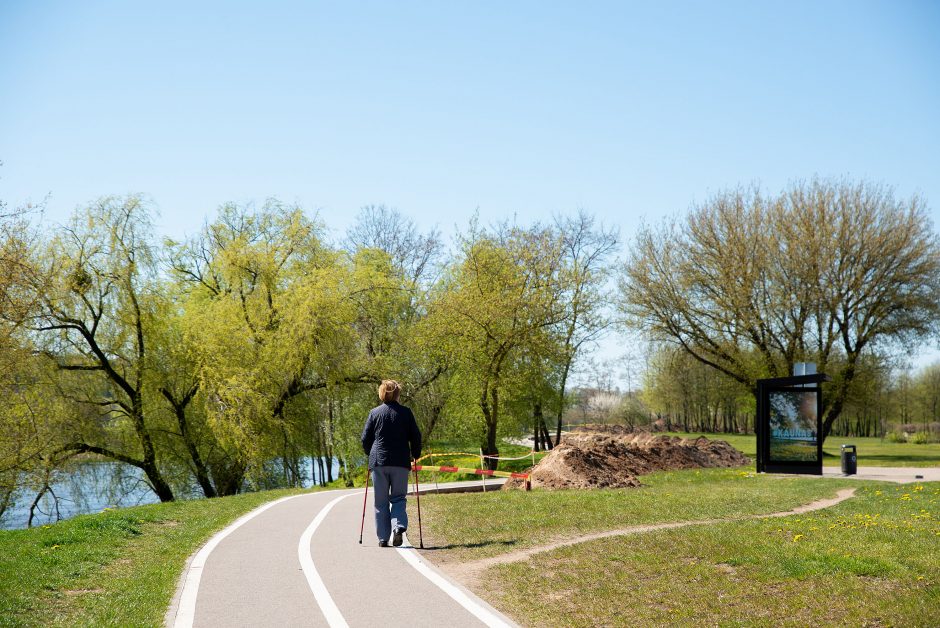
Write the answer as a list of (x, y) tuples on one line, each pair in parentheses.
[(298, 562), (900, 475)]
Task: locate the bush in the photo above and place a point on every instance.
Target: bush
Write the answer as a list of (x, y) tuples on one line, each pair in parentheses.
[(897, 437), (920, 438)]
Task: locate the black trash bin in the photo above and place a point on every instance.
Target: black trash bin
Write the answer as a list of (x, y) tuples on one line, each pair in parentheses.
[(849, 461)]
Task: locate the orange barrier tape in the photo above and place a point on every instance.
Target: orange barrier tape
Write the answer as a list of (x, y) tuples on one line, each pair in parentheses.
[(499, 474)]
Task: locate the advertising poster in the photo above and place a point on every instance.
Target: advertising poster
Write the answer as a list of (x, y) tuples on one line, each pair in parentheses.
[(793, 426)]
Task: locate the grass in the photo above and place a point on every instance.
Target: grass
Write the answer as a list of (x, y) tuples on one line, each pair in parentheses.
[(869, 561), (467, 527), (872, 452), (116, 568)]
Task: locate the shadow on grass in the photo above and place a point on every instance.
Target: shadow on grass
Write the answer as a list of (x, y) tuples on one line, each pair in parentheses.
[(470, 545)]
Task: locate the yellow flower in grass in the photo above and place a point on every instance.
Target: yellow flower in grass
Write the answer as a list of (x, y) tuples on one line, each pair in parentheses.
[(797, 538)]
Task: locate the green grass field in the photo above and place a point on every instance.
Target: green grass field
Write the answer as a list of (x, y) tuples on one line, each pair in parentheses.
[(872, 452), (471, 526), (868, 561)]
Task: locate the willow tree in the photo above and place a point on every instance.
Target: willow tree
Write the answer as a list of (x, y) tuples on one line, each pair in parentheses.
[(94, 279), (268, 320), (826, 272), (22, 441)]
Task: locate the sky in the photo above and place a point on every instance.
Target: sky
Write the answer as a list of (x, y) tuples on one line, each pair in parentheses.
[(632, 111)]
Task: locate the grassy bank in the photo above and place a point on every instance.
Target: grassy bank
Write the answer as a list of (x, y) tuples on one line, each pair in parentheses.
[(872, 452), (470, 526), (868, 561), (117, 568)]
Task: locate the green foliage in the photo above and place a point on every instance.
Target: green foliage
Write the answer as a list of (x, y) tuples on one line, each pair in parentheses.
[(227, 361)]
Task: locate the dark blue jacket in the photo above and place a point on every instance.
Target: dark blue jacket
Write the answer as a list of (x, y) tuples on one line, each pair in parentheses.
[(391, 437)]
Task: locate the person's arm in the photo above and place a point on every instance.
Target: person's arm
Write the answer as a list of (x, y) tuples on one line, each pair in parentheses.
[(414, 438), (368, 435)]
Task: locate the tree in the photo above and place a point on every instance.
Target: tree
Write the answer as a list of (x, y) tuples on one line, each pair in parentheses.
[(586, 249), (20, 440), (825, 272), (95, 278), (501, 295), (269, 320)]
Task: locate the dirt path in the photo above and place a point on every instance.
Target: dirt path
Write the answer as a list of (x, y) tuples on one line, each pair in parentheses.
[(469, 572)]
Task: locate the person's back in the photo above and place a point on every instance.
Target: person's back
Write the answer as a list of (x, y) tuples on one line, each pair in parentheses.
[(394, 435)]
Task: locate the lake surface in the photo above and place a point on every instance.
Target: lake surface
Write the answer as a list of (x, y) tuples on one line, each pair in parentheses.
[(89, 487)]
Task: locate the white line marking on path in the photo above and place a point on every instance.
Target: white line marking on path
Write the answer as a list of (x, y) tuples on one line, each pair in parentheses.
[(483, 614), (186, 612), (333, 617)]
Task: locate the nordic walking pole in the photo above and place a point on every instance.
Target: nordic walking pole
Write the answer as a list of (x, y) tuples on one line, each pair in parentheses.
[(364, 498), (418, 499)]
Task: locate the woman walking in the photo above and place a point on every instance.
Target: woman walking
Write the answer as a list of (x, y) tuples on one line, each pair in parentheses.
[(391, 439)]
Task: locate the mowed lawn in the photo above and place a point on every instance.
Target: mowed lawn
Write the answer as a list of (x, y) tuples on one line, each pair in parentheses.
[(868, 561), (872, 452)]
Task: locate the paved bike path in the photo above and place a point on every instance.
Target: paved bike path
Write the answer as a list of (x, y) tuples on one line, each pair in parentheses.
[(256, 576)]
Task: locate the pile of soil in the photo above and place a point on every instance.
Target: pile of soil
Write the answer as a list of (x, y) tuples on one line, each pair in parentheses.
[(604, 459)]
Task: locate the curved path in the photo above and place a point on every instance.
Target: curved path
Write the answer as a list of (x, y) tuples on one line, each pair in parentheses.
[(298, 562)]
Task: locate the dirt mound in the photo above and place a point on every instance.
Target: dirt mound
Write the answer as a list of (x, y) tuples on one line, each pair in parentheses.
[(587, 459)]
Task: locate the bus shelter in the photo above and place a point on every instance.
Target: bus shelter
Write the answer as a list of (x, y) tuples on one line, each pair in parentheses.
[(789, 424)]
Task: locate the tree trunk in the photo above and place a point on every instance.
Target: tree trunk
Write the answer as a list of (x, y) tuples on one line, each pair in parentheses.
[(228, 477), (546, 437), (157, 483), (199, 467), (537, 421), (561, 403)]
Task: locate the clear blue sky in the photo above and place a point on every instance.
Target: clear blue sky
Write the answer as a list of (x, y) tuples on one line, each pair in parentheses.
[(629, 110)]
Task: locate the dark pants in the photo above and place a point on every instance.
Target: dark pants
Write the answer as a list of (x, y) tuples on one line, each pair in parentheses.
[(391, 488)]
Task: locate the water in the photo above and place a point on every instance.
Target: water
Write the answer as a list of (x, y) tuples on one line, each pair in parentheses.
[(89, 487), (82, 488)]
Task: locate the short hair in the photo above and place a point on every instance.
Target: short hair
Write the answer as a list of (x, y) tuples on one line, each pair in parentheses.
[(389, 390)]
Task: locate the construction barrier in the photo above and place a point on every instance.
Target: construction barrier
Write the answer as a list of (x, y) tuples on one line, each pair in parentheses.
[(483, 472)]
